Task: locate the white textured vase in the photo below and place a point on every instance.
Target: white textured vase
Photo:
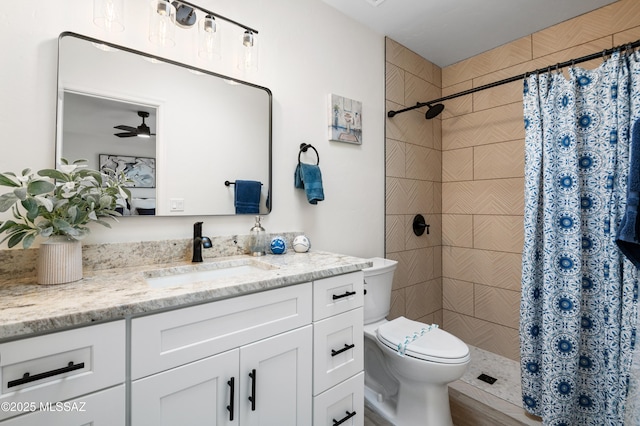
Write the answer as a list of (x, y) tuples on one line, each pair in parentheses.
[(59, 260)]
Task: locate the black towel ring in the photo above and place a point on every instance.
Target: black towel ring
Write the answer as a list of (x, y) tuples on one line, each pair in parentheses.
[(304, 147)]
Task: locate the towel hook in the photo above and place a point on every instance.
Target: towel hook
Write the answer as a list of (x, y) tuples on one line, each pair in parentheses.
[(304, 147)]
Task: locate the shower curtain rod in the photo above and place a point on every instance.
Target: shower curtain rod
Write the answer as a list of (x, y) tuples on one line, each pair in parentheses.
[(432, 104)]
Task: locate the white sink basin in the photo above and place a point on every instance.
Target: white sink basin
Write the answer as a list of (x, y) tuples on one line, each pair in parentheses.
[(213, 271)]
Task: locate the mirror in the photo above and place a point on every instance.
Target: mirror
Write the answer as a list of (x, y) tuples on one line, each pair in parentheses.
[(203, 131)]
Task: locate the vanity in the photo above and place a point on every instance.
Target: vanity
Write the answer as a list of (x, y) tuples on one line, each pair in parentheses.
[(276, 341)]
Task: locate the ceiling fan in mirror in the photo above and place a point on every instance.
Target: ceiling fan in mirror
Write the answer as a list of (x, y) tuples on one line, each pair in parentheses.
[(142, 131)]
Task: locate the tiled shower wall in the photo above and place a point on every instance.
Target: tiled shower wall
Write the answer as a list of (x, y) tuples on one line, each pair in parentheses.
[(481, 175), (413, 186)]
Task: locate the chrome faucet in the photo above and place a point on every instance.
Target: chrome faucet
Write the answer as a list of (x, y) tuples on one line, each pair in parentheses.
[(198, 242)]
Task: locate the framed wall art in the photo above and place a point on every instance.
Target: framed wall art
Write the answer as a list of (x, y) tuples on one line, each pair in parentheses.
[(140, 170), (345, 120)]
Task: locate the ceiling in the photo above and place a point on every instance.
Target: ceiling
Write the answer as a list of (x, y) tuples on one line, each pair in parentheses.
[(92, 115), (448, 31)]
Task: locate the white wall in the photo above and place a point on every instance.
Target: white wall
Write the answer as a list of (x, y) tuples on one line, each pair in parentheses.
[(307, 50)]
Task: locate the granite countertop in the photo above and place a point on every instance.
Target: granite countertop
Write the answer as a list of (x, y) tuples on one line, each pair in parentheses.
[(28, 308)]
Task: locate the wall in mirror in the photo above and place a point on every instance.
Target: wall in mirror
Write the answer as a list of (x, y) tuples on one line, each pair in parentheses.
[(203, 129)]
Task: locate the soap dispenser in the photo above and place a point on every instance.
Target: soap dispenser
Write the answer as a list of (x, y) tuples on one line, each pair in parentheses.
[(257, 239)]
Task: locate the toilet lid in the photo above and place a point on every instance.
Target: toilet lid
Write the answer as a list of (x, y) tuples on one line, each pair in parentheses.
[(434, 345)]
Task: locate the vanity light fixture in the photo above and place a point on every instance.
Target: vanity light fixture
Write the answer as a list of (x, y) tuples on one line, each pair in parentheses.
[(165, 15), (248, 52), (162, 20), (208, 38), (109, 14)]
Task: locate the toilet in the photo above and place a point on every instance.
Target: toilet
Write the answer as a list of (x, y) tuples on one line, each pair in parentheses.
[(408, 364)]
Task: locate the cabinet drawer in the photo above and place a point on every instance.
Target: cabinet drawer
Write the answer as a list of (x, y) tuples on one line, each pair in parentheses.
[(104, 408), (338, 294), (344, 402), (163, 341), (338, 345), (59, 366)]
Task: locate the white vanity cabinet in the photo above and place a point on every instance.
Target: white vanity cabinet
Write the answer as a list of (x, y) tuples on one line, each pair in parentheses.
[(338, 348), (73, 377), (240, 361)]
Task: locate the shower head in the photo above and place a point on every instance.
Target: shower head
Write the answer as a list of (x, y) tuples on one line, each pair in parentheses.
[(433, 111)]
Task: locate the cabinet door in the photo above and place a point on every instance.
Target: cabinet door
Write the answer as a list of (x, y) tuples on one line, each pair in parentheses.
[(104, 408), (198, 393), (275, 376)]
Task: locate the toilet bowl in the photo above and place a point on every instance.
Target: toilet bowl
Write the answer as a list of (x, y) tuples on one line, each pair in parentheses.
[(408, 364)]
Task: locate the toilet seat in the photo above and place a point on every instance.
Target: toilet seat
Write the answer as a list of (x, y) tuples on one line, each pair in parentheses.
[(433, 345)]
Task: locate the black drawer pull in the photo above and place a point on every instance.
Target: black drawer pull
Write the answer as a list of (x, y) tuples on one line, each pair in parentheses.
[(346, 348), (252, 398), (344, 419), (347, 294), (231, 384), (27, 378)]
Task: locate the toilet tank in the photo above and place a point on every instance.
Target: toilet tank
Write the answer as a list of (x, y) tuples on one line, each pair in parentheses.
[(378, 280)]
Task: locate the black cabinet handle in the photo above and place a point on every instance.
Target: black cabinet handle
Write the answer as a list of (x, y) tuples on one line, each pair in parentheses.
[(252, 398), (347, 294), (339, 351), (27, 378), (232, 385), (344, 419)]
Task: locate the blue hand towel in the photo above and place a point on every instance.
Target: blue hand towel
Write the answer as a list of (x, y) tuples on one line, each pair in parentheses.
[(309, 177), (247, 196), (629, 231)]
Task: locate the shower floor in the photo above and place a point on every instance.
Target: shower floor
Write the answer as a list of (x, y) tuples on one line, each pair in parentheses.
[(475, 402)]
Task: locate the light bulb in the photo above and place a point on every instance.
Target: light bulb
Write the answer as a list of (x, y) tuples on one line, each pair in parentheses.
[(109, 14)]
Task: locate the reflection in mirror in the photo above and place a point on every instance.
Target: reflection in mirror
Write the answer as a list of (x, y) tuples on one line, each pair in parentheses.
[(204, 129)]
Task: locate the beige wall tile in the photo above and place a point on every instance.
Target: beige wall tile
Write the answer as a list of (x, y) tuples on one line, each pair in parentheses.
[(437, 197), (500, 160), (499, 196), (410, 126), (457, 197), (396, 196), (394, 84), (457, 230), (614, 18), (499, 233), (628, 36), (497, 269), (437, 133), (423, 163), (457, 106), (500, 124), (501, 57), (411, 62), (420, 195), (423, 299), (395, 158), (491, 337), (457, 296), (497, 96), (397, 304), (395, 233), (497, 305), (417, 90), (457, 165)]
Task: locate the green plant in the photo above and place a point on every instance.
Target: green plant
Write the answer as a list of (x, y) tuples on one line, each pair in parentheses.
[(59, 202)]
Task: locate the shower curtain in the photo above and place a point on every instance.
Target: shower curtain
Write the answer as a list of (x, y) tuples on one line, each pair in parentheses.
[(579, 293)]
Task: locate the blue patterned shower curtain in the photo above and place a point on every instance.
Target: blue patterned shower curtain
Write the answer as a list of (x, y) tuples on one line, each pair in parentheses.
[(579, 293)]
